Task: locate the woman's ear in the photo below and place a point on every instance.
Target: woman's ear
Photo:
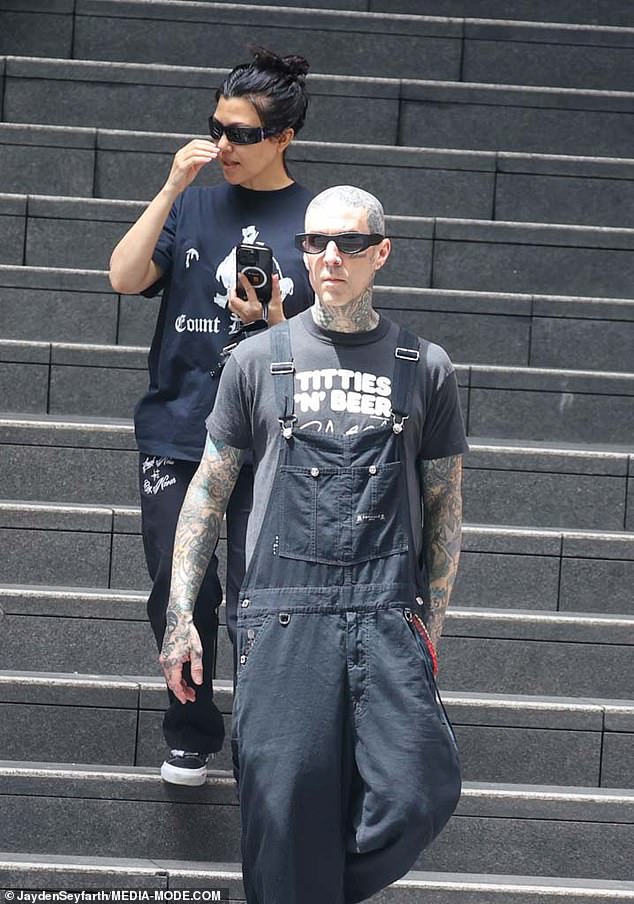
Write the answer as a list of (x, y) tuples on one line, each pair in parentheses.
[(285, 138)]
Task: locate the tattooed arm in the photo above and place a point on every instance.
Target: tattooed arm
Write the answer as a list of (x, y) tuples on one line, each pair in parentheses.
[(196, 537), (441, 481)]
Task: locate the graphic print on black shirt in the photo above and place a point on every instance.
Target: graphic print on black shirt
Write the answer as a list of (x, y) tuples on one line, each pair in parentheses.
[(226, 276)]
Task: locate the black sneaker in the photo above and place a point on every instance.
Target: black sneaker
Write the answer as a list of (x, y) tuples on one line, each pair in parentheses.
[(183, 767)]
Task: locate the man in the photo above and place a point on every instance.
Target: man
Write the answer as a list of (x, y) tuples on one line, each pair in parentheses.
[(346, 763)]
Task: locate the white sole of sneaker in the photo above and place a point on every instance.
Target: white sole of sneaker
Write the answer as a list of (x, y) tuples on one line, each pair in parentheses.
[(176, 776)]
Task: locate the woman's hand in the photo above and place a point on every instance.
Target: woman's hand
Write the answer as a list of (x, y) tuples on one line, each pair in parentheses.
[(188, 162), (251, 309)]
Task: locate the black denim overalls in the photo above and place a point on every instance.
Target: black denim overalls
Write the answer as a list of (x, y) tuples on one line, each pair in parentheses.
[(346, 762)]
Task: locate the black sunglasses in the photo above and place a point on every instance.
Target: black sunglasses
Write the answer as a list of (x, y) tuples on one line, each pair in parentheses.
[(238, 134), (347, 242)]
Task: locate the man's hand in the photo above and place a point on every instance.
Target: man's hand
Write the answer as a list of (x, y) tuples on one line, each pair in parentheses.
[(181, 644), (251, 309)]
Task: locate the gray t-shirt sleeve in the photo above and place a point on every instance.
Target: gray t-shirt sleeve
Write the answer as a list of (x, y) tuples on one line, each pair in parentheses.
[(230, 419), (443, 429)]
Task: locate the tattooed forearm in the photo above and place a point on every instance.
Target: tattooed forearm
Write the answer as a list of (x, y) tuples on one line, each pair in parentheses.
[(354, 316), (198, 529), (442, 503)]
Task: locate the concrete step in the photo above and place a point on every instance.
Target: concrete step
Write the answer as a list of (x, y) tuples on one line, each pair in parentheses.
[(42, 27), (530, 257), (518, 403), (324, 36), (483, 650), (50, 459), (515, 329), (62, 305), (400, 46), (134, 96), (585, 833), (565, 571), (541, 404), (53, 23), (480, 255), (71, 545), (598, 12), (67, 545), (72, 379), (593, 191), (554, 485), (591, 12), (116, 720), (384, 111), (56, 305), (489, 117), (48, 871)]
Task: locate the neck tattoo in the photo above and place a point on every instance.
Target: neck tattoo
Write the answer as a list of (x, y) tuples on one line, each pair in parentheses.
[(356, 316)]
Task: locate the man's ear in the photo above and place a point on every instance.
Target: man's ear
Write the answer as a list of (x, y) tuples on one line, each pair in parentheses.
[(305, 259), (383, 252)]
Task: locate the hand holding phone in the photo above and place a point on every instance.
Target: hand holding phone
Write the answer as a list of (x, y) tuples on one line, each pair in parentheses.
[(256, 263)]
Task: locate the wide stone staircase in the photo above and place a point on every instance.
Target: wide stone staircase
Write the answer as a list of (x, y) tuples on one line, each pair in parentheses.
[(499, 134)]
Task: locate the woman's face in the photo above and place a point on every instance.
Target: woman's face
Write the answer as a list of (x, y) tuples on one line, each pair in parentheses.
[(259, 166)]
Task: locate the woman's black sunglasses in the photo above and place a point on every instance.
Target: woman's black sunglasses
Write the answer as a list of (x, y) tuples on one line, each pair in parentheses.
[(348, 242), (238, 134)]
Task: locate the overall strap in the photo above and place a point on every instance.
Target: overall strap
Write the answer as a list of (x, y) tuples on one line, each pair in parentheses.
[(407, 355), (283, 372)]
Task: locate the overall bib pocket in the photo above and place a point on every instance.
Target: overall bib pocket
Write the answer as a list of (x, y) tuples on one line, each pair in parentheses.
[(360, 505)]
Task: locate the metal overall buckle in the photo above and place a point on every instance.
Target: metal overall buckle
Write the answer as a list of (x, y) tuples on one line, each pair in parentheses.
[(408, 354), (398, 421), (282, 367), (285, 367), (287, 424), (224, 357)]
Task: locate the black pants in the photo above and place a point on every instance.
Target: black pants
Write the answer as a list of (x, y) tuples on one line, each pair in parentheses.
[(163, 483)]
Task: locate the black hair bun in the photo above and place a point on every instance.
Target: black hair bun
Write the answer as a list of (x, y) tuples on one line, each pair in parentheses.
[(293, 65)]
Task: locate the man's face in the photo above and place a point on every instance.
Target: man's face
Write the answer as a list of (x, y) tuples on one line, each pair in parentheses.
[(336, 277)]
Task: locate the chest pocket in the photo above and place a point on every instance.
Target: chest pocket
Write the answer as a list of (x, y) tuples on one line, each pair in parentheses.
[(342, 516)]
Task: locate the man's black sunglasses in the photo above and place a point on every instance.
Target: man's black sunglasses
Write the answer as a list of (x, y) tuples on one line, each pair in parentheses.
[(348, 242), (238, 134)]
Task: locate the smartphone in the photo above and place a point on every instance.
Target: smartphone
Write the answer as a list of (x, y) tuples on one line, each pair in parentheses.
[(256, 262)]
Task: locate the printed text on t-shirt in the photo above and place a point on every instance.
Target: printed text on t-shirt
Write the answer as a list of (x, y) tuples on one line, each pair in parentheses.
[(336, 390)]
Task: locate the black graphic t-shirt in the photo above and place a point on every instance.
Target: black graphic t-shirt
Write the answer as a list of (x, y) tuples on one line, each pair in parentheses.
[(343, 384), (196, 252)]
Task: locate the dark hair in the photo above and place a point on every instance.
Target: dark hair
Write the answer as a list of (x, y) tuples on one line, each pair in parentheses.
[(276, 86)]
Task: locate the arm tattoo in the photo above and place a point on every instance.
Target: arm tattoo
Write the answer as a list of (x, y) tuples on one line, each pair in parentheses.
[(197, 532), (441, 481)]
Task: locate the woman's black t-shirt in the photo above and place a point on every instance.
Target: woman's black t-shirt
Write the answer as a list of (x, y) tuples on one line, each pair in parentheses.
[(196, 252)]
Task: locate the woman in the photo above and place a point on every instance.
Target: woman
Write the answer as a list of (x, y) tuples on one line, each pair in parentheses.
[(184, 245)]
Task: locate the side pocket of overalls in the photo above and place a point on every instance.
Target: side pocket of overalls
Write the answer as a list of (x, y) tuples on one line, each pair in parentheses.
[(249, 637), (409, 617)]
